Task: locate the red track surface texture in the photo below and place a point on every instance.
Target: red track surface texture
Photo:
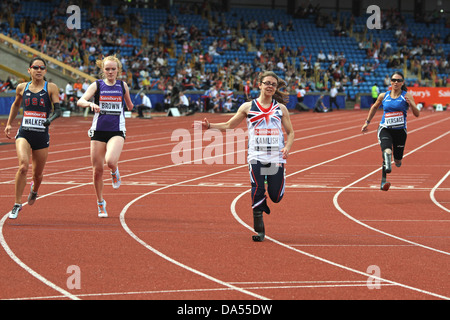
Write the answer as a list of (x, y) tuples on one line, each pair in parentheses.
[(183, 231)]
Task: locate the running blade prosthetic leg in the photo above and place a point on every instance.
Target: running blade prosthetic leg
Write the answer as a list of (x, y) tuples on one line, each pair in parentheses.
[(258, 225), (385, 185), (387, 162)]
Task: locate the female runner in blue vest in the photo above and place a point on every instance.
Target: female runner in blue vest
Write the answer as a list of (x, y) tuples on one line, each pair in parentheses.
[(267, 151), (32, 140), (108, 125), (392, 131)]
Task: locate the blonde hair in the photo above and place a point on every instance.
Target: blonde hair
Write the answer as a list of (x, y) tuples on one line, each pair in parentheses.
[(100, 63), (279, 96)]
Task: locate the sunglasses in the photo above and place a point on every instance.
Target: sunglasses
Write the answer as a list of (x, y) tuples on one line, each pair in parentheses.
[(397, 80), (270, 84), (38, 67)]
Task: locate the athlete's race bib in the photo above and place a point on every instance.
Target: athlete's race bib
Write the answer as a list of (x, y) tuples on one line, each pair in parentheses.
[(394, 119), (111, 105), (34, 120), (266, 139)]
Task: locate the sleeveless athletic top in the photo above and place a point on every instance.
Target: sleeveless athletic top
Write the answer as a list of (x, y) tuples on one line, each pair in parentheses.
[(36, 109), (394, 115), (265, 133), (111, 102)]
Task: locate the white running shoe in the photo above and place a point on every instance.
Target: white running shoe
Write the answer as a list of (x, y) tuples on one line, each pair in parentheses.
[(115, 179), (102, 209), (15, 211)]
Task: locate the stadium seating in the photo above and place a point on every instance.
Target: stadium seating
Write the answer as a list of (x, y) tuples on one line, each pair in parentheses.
[(305, 34)]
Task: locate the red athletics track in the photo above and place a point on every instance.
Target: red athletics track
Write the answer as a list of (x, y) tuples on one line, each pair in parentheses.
[(182, 231)]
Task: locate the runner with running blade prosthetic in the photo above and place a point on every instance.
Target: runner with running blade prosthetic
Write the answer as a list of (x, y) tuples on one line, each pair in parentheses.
[(267, 150), (392, 131)]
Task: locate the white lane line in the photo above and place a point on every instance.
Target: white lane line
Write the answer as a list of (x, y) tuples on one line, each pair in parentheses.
[(338, 207), (366, 275), (433, 190), (254, 286), (45, 281), (233, 210), (28, 269), (162, 255), (52, 285)]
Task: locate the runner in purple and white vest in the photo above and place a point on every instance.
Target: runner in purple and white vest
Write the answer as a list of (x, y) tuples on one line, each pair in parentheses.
[(107, 132)]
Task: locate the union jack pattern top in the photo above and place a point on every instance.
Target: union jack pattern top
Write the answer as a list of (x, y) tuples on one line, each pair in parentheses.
[(265, 133)]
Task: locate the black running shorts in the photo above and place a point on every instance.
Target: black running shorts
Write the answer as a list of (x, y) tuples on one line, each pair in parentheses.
[(37, 140), (393, 139), (104, 136)]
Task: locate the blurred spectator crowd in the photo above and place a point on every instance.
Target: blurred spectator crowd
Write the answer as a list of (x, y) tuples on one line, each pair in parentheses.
[(148, 66)]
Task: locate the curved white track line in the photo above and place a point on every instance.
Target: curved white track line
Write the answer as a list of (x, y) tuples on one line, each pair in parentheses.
[(28, 269), (368, 276), (162, 255), (50, 284), (233, 210), (143, 243), (434, 190), (338, 207), (128, 230)]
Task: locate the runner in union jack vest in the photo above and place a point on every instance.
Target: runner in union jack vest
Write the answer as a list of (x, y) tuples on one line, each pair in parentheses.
[(268, 149)]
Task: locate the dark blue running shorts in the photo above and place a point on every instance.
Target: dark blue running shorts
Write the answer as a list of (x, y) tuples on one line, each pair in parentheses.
[(37, 140)]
